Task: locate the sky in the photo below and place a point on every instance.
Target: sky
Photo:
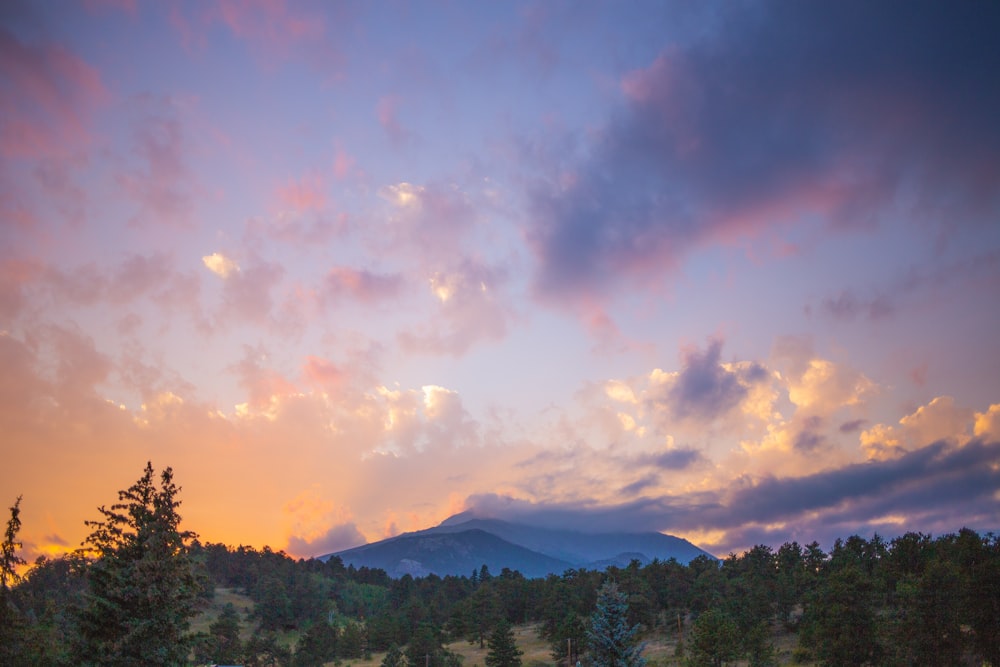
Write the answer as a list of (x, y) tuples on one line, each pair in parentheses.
[(725, 270)]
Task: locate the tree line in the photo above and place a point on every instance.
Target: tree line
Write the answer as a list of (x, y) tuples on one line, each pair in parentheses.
[(128, 597)]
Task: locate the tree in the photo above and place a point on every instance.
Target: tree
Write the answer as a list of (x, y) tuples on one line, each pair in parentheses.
[(14, 630), (222, 644), (9, 560), (503, 651), (611, 640), (316, 646), (567, 639), (840, 622), (714, 640), (394, 657), (142, 587), (263, 650)]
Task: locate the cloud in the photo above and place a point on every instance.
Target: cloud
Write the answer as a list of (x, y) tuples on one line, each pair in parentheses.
[(429, 222), (755, 126), (940, 419), (847, 306), (306, 194), (362, 285), (704, 392), (470, 306), (988, 423), (247, 293), (929, 488), (158, 176), (220, 265), (48, 96), (704, 389), (337, 538), (387, 112)]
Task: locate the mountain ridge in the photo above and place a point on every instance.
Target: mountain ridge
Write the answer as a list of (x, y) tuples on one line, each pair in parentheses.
[(463, 543)]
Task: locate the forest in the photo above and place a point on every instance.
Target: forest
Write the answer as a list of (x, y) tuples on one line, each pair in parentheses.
[(143, 591)]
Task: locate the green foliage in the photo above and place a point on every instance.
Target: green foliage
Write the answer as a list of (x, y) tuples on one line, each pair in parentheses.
[(394, 657), (503, 651), (840, 624), (425, 649), (14, 629), (9, 560), (611, 640), (264, 650), (142, 586), (222, 644), (713, 641), (317, 645), (568, 638), (478, 613)]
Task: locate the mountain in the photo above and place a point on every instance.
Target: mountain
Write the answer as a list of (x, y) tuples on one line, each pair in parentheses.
[(449, 552), (461, 544)]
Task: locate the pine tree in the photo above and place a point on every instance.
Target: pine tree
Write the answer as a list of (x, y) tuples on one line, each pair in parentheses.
[(14, 631), (9, 560), (394, 657), (714, 640), (222, 643), (611, 640), (142, 585), (503, 651)]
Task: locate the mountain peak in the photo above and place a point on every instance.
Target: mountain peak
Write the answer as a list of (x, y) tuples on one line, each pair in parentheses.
[(465, 541)]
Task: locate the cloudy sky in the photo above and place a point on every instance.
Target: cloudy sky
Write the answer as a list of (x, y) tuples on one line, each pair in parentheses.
[(729, 271)]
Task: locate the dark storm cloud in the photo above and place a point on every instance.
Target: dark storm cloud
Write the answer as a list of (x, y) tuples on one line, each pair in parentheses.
[(938, 488), (846, 110)]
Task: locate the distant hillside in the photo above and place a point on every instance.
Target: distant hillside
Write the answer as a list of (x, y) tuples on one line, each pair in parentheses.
[(457, 553), (460, 545)]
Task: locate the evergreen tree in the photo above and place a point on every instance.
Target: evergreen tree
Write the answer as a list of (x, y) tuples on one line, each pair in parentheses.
[(714, 640), (503, 651), (222, 644), (317, 645), (611, 640), (840, 623), (263, 650), (394, 657), (568, 638), (425, 648), (14, 629), (142, 585), (9, 560)]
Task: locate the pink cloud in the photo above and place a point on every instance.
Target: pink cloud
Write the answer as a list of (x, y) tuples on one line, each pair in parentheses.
[(387, 112), (48, 95), (306, 194), (432, 221), (16, 274), (247, 294), (271, 23), (261, 383), (343, 162), (161, 182), (316, 229), (322, 372), (362, 285)]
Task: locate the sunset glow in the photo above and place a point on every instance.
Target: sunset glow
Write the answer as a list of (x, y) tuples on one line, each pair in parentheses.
[(350, 268)]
